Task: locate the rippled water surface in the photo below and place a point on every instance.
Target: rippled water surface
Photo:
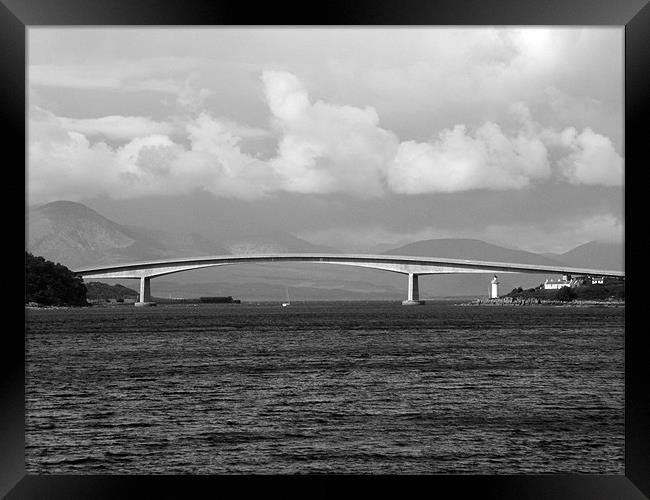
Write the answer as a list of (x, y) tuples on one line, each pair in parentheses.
[(325, 387)]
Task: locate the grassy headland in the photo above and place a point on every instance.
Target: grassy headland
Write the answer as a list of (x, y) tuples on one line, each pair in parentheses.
[(612, 292)]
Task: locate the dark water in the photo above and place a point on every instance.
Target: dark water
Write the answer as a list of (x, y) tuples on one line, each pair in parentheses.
[(318, 387)]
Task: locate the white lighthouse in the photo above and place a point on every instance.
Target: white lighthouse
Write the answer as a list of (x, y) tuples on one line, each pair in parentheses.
[(494, 289)]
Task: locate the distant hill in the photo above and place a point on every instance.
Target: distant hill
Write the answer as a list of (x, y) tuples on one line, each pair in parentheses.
[(278, 242), (471, 249), (97, 290), (596, 255), (77, 236)]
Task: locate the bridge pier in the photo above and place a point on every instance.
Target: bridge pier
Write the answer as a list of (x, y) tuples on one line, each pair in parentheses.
[(145, 293), (413, 297)]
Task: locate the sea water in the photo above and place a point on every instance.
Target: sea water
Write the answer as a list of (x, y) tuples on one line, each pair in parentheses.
[(329, 387)]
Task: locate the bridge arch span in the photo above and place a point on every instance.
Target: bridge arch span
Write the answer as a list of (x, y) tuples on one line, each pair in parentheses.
[(412, 266)]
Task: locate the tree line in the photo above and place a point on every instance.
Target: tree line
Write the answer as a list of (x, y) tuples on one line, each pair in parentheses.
[(52, 284)]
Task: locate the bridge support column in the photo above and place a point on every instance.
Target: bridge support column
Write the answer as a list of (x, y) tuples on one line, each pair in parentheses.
[(145, 293), (413, 297)]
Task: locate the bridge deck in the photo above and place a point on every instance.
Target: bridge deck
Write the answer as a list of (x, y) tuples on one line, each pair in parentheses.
[(394, 263), (413, 266)]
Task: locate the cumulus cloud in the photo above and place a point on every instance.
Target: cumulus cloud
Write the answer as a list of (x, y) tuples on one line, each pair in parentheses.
[(216, 163), (321, 148), (459, 161), (489, 158), (326, 147), (592, 158), (64, 164)]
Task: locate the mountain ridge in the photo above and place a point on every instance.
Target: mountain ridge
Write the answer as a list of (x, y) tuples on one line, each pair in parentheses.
[(599, 254), (75, 235), (469, 249)]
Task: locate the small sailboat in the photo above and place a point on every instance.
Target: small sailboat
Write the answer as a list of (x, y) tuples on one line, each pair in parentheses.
[(288, 302)]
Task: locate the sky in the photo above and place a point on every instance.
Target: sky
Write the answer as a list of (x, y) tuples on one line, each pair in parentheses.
[(355, 138)]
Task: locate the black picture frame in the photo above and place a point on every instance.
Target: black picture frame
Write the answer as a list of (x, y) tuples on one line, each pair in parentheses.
[(18, 15)]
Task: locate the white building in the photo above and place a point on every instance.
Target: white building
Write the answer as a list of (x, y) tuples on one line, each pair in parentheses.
[(597, 280), (566, 280)]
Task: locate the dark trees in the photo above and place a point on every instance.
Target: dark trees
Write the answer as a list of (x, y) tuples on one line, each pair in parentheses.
[(52, 284)]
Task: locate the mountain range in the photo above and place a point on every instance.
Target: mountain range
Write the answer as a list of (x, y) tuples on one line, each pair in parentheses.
[(74, 235), (77, 236), (594, 254), (464, 248)]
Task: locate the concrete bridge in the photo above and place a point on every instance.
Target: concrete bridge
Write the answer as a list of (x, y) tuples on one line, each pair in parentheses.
[(411, 266)]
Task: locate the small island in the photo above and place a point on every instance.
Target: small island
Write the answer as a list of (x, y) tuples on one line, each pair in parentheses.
[(200, 300), (103, 294), (608, 292)]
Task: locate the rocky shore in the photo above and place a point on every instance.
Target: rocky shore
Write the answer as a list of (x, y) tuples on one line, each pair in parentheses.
[(530, 301), (36, 305)]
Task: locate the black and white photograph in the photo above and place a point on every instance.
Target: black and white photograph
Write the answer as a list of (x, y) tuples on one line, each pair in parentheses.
[(325, 250)]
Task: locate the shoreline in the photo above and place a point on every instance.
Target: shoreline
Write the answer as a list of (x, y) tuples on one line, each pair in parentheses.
[(39, 306), (503, 301), (510, 301)]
